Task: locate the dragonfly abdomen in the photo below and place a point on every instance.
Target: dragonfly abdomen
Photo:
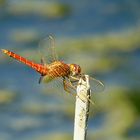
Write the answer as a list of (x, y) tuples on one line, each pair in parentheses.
[(38, 67)]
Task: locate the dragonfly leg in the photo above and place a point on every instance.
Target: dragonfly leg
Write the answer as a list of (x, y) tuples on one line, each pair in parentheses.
[(65, 85), (74, 78), (71, 84), (40, 79), (68, 85)]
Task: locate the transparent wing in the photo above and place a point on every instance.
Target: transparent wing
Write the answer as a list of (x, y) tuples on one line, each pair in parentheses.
[(96, 86), (47, 50), (55, 88)]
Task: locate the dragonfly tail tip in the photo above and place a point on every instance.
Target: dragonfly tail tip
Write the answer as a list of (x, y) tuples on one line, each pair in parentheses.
[(4, 51)]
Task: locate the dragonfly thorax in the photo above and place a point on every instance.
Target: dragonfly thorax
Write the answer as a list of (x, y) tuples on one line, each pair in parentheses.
[(75, 69)]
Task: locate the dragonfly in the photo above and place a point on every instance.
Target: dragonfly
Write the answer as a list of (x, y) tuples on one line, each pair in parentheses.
[(69, 73)]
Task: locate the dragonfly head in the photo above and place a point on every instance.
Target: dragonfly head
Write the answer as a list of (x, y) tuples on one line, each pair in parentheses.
[(75, 69)]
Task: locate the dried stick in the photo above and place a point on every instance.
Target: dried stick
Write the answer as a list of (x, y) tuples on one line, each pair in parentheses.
[(82, 108)]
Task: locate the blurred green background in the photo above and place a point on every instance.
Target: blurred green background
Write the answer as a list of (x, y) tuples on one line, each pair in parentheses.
[(103, 37)]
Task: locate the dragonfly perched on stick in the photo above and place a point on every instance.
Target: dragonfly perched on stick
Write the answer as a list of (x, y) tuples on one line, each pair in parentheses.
[(69, 73)]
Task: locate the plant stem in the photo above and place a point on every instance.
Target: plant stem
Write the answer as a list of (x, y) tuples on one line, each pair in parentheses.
[(82, 108)]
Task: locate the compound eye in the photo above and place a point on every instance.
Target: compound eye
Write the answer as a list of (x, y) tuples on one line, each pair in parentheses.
[(75, 69)]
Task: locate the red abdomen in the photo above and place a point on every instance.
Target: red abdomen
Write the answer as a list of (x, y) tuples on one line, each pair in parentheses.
[(38, 67)]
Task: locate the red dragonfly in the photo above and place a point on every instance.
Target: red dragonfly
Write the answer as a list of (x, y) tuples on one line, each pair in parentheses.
[(69, 73)]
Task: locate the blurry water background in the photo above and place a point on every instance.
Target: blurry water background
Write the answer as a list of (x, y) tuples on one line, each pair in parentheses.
[(101, 36)]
